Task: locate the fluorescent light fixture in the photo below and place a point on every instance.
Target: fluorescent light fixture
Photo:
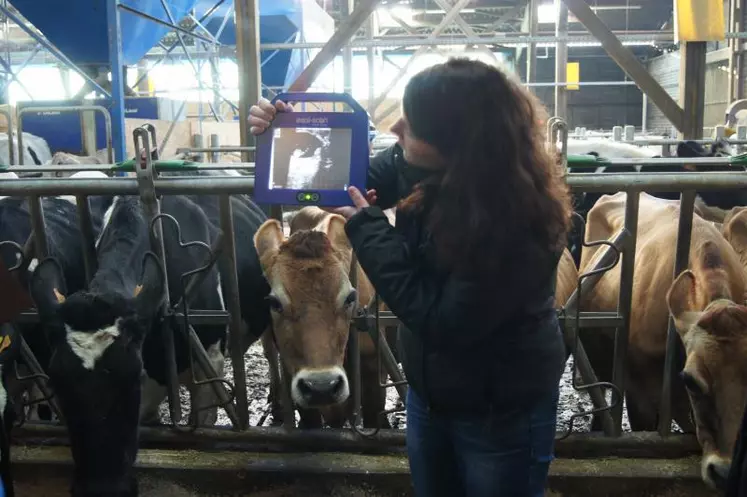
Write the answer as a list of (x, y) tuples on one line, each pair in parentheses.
[(547, 13), (439, 11)]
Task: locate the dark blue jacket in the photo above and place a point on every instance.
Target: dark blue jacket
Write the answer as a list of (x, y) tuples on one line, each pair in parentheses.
[(466, 347)]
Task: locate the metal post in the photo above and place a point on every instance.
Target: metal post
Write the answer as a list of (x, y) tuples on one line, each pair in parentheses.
[(692, 88), (733, 44), (234, 310), (624, 304), (197, 142), (561, 62), (371, 33), (117, 90), (347, 52), (247, 54), (674, 345), (214, 143), (532, 47), (88, 132)]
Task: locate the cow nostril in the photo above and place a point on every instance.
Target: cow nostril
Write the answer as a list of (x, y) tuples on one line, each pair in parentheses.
[(718, 474), (336, 385), (305, 387)]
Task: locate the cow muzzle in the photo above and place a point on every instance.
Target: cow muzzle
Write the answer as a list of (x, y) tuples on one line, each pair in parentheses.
[(715, 471), (320, 387)]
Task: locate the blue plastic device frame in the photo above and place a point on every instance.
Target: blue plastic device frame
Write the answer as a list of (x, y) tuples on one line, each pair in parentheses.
[(357, 121)]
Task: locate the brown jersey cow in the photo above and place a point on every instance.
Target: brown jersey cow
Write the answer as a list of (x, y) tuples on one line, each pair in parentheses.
[(313, 302), (706, 302)]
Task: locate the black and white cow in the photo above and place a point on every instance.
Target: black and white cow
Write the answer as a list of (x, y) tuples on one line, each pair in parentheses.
[(106, 337), (64, 242)]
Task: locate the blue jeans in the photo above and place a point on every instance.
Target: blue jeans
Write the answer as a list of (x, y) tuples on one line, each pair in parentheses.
[(507, 454)]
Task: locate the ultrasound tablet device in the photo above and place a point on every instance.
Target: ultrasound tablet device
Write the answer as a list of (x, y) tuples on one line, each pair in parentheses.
[(311, 156)]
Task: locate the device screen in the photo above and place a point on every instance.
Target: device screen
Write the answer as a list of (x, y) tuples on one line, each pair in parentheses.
[(310, 158)]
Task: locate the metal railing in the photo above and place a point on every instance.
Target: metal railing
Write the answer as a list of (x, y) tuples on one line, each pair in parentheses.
[(71, 108)]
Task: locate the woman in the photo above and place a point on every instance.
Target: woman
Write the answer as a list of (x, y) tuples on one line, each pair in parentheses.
[(469, 270)]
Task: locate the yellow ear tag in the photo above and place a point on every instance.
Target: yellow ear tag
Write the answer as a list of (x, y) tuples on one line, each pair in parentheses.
[(60, 297), (5, 343)]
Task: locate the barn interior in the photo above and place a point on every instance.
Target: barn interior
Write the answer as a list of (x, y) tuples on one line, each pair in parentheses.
[(642, 96)]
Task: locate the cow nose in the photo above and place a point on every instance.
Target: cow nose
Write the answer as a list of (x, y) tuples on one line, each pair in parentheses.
[(321, 388), (718, 472)]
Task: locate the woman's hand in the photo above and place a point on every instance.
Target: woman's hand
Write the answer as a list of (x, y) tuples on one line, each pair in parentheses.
[(359, 202), (262, 114)]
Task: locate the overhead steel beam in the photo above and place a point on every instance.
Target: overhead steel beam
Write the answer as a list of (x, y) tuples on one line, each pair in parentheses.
[(445, 22), (343, 35), (627, 61), (464, 26)]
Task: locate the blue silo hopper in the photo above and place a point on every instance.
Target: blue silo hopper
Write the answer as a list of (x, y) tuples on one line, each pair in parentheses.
[(79, 27), (280, 21)]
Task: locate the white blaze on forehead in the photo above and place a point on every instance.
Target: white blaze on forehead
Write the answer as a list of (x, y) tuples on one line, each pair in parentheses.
[(90, 346)]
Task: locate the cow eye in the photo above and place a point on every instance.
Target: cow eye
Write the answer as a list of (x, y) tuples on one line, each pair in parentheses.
[(351, 300), (274, 303), (691, 384)]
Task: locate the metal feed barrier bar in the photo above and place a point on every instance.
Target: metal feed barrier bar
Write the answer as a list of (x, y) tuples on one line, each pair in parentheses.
[(150, 186)]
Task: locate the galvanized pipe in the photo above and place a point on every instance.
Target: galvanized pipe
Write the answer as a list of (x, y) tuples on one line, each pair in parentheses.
[(588, 182), (625, 299), (87, 238), (581, 360), (354, 352), (674, 346), (203, 361), (218, 149), (36, 369), (71, 108), (234, 309), (106, 168), (41, 248)]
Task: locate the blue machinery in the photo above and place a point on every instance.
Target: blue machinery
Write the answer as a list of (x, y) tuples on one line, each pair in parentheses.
[(95, 36)]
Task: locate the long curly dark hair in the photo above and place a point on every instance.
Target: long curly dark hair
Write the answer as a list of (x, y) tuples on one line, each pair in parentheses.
[(501, 185)]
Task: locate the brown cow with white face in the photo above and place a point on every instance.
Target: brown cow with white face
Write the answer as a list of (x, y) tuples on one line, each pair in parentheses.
[(313, 302), (706, 303)]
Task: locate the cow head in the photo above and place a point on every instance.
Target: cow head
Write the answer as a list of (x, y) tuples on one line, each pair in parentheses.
[(715, 371), (312, 302), (96, 370)]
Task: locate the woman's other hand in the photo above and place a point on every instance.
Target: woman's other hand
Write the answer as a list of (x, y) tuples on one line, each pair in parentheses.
[(262, 114), (359, 202)]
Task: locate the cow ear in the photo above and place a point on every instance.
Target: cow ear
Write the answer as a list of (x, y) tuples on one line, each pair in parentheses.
[(268, 238), (48, 288), (149, 294), (334, 227), (680, 302), (735, 232)]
